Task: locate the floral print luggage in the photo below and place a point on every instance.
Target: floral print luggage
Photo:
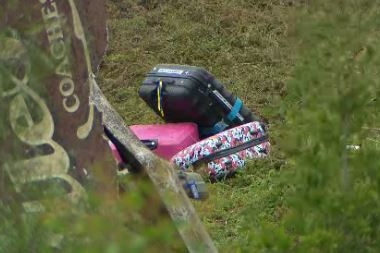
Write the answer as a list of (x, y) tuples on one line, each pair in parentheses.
[(224, 153)]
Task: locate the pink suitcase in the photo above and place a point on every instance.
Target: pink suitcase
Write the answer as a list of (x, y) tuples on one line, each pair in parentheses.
[(227, 151), (115, 152), (171, 138)]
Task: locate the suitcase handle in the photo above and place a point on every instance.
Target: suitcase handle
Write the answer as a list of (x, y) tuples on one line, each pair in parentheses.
[(225, 122), (235, 110)]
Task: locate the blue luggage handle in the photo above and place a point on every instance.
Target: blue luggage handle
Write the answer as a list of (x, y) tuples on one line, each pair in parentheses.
[(235, 110), (222, 125)]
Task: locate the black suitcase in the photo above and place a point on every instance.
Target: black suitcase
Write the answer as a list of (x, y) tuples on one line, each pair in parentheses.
[(180, 93)]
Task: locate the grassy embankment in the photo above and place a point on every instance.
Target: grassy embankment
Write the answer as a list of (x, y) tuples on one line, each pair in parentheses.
[(243, 44), (311, 72)]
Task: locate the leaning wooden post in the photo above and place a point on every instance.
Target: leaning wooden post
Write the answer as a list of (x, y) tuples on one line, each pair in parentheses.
[(163, 176)]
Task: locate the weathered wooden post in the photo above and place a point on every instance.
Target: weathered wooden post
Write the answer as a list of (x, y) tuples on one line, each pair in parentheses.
[(53, 113)]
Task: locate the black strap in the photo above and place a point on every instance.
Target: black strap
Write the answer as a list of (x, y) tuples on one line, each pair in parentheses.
[(125, 154)]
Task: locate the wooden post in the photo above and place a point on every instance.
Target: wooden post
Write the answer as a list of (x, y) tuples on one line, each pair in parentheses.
[(163, 176)]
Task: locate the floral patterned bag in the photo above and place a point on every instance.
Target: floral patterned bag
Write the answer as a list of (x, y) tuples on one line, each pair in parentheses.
[(225, 152)]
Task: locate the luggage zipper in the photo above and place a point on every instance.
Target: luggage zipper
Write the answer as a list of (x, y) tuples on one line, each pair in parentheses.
[(226, 152)]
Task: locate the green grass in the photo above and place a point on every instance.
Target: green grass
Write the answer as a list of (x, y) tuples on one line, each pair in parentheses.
[(310, 69), (243, 43), (239, 42)]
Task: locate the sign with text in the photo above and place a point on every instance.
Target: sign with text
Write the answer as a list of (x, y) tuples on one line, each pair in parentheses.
[(52, 137)]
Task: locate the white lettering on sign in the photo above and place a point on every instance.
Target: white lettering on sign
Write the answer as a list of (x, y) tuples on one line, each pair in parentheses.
[(84, 130), (58, 50), (35, 132)]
